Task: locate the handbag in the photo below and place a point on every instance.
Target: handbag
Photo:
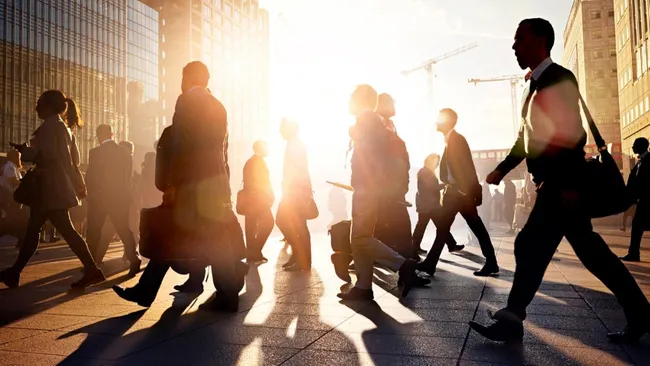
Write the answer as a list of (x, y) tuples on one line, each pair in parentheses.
[(310, 210), (28, 191), (242, 205), (605, 191)]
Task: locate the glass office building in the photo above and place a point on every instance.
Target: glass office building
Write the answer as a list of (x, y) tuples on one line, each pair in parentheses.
[(76, 46), (142, 75)]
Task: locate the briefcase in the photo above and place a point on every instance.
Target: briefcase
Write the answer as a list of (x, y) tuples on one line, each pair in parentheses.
[(162, 239)]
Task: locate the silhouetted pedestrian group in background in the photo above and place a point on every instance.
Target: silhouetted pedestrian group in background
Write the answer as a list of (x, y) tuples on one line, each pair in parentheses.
[(187, 221)]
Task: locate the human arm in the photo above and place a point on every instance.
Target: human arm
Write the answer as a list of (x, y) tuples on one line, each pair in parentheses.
[(516, 155)]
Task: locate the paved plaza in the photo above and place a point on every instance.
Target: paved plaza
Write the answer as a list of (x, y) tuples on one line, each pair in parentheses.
[(296, 318)]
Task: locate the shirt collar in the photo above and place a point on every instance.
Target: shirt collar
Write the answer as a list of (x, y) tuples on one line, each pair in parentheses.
[(105, 141), (643, 155), (539, 70), (449, 134), (194, 88)]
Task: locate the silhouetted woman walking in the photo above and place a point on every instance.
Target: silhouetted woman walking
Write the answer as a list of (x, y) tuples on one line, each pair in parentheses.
[(58, 187)]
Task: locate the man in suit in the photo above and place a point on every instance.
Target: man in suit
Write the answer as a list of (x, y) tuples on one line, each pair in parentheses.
[(551, 139), (638, 185), (370, 165), (108, 179), (462, 195), (296, 191), (193, 172), (259, 192), (394, 221)]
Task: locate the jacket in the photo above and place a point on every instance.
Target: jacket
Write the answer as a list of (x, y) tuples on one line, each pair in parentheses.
[(295, 178), (457, 160), (54, 152), (551, 137), (195, 161), (258, 181), (109, 174), (370, 139), (428, 197)]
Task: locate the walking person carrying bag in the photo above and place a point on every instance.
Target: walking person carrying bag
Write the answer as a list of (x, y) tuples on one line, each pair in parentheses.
[(53, 186)]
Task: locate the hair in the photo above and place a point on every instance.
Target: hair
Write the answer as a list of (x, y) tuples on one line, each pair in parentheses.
[(289, 126), (449, 114), (385, 105), (197, 73), (259, 145), (127, 145), (430, 158), (541, 28), (62, 105), (104, 129), (642, 143), (365, 96)]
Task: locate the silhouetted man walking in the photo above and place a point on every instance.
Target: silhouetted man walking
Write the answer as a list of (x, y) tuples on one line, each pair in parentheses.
[(108, 179), (638, 185), (462, 195), (551, 139)]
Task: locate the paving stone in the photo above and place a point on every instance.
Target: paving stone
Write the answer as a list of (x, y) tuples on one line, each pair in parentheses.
[(315, 357), (190, 352), (33, 359), (49, 321), (390, 344), (274, 320), (13, 334), (387, 325)]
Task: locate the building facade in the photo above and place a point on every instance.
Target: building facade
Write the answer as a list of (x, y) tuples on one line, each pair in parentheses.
[(232, 38), (590, 52), (76, 46), (142, 71), (633, 54)]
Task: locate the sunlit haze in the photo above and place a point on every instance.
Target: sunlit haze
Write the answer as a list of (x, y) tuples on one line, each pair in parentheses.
[(321, 49)]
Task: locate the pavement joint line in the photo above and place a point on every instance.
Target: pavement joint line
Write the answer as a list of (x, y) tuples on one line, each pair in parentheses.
[(478, 305), (593, 310)]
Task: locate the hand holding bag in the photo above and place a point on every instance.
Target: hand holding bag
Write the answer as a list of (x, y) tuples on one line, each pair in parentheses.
[(605, 191), (28, 191)]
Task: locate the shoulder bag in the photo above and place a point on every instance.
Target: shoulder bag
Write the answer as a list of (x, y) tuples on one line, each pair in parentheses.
[(605, 191)]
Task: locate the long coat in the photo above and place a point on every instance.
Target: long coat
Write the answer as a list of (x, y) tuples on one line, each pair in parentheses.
[(54, 151)]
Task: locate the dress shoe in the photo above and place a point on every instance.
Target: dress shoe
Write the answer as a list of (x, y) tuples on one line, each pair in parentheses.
[(631, 258), (256, 260), (91, 277), (131, 295), (341, 262), (221, 303), (424, 267), (357, 294), (630, 334), (10, 278), (407, 276), (419, 282), (506, 328), (189, 287), (290, 262), (456, 248), (135, 267), (488, 269), (296, 267)]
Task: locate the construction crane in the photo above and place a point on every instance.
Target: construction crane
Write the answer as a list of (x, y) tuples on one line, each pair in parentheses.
[(514, 81), (429, 65)]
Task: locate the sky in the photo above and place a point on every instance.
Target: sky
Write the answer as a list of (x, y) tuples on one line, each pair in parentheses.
[(321, 49)]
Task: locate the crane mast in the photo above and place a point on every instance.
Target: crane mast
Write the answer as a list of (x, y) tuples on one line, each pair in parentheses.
[(429, 65), (514, 81)]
